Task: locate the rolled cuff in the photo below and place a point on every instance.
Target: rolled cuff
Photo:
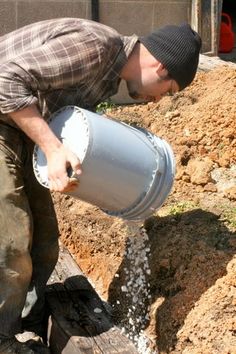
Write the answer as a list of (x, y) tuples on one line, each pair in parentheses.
[(17, 104)]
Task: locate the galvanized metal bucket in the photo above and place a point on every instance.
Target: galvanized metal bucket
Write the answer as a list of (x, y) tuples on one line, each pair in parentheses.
[(127, 172)]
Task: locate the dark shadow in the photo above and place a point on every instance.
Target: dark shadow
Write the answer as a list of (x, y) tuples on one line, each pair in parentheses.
[(189, 252), (73, 308)]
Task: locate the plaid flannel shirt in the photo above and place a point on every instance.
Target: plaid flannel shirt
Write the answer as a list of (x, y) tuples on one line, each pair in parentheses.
[(59, 62)]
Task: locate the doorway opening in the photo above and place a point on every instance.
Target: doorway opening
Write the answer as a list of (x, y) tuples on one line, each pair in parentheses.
[(227, 47)]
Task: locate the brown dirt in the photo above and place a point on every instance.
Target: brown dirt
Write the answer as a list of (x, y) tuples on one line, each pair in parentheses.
[(192, 237)]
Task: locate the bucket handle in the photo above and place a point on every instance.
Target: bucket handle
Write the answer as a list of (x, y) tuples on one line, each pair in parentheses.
[(228, 18)]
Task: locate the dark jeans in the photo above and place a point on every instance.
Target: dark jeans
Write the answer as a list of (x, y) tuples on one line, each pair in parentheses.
[(28, 236)]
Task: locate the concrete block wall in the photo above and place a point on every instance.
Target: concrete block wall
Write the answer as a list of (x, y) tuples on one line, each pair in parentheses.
[(140, 17), (17, 13), (130, 16), (127, 17)]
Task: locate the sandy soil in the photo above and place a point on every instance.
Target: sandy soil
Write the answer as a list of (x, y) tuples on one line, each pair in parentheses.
[(192, 237)]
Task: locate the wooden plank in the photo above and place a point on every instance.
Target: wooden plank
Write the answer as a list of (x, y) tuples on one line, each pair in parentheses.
[(66, 266), (207, 63), (80, 322)]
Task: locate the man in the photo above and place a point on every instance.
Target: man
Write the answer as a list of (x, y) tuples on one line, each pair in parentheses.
[(45, 66)]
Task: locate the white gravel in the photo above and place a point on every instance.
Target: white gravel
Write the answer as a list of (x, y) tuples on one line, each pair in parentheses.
[(136, 287)]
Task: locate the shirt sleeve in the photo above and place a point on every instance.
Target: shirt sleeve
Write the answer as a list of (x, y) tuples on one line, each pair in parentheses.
[(59, 63)]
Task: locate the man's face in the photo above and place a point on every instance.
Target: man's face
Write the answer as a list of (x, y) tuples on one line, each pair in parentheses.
[(152, 85)]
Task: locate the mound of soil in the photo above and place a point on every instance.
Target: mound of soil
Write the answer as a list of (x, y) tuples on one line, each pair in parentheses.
[(192, 237)]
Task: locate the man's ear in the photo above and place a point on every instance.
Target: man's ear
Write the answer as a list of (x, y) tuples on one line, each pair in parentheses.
[(161, 70)]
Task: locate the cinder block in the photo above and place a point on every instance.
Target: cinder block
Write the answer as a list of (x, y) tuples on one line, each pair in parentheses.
[(33, 11), (127, 17), (171, 12), (7, 16)]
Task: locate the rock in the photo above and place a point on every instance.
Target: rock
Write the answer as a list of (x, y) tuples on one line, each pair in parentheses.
[(224, 160), (230, 193), (202, 150), (210, 187), (228, 133), (173, 114), (180, 170), (225, 178), (199, 170), (214, 156), (186, 178)]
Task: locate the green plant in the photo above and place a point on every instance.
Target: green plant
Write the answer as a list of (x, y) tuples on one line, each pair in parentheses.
[(105, 106), (181, 207), (230, 216)]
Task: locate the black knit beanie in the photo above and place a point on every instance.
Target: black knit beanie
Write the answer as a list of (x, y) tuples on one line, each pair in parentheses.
[(177, 48)]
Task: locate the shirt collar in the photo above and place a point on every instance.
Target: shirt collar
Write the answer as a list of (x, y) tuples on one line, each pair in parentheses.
[(122, 57)]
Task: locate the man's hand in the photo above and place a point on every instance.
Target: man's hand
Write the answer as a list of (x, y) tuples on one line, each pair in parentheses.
[(59, 161), (59, 157)]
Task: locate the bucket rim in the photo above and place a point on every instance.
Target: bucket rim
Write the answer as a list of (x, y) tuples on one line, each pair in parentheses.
[(37, 150)]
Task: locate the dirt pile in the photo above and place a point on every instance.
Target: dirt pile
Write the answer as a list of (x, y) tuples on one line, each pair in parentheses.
[(192, 238), (199, 123)]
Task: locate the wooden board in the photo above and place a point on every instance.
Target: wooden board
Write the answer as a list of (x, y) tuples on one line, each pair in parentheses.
[(207, 63), (80, 321)]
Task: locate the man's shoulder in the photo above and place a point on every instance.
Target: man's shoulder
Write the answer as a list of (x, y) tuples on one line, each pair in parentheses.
[(101, 30), (85, 28)]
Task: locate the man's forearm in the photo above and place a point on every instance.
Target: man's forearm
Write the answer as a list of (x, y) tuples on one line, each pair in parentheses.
[(30, 121), (58, 156)]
